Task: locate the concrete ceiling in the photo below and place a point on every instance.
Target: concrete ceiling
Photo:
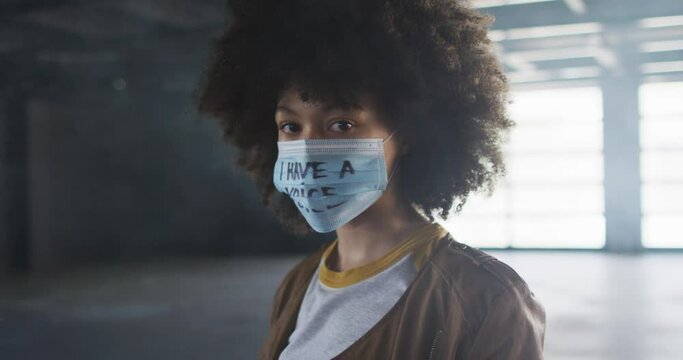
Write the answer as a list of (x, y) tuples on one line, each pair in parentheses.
[(538, 40), (551, 40)]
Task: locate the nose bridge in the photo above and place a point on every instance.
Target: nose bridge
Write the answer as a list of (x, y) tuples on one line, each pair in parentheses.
[(313, 129)]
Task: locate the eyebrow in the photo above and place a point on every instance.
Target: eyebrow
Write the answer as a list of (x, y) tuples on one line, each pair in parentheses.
[(285, 109)]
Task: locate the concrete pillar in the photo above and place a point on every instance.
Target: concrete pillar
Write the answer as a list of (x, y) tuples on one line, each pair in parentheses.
[(621, 134), (13, 179)]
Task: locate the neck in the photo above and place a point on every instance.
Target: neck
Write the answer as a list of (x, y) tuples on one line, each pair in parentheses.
[(372, 234)]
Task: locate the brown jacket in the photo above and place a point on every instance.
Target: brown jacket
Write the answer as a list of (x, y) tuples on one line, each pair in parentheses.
[(463, 304)]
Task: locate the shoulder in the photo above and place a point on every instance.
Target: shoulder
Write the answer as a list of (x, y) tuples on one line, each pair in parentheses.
[(472, 269), (302, 268), (298, 276), (503, 316), (480, 281)]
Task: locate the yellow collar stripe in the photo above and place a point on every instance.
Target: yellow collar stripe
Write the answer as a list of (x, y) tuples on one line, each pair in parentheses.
[(419, 241)]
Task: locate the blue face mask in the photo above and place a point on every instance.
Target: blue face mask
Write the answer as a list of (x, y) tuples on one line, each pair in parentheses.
[(331, 181)]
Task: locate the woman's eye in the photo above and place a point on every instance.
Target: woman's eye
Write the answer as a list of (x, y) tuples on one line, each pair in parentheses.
[(289, 128), (342, 125)]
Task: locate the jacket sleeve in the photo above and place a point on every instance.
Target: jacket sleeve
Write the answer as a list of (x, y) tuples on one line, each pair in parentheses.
[(513, 329), (276, 303), (284, 287), (275, 311)]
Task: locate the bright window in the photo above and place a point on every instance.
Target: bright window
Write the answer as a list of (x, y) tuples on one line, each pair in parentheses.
[(552, 195), (661, 140)]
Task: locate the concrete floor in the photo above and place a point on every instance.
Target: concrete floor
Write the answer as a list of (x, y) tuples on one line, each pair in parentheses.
[(599, 307)]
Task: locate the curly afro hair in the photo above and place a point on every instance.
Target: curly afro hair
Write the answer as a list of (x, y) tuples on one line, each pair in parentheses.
[(429, 62)]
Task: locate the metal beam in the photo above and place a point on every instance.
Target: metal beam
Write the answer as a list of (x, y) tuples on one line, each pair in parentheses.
[(578, 7), (603, 11)]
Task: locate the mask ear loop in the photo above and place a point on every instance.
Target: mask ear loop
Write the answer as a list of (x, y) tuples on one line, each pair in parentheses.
[(389, 137), (393, 170), (397, 158)]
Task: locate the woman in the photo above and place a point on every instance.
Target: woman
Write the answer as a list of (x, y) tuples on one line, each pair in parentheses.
[(370, 118)]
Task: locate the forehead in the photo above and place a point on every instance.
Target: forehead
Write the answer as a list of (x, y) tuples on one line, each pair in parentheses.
[(297, 99)]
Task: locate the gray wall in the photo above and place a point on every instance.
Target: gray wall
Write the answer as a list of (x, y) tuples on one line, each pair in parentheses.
[(107, 160)]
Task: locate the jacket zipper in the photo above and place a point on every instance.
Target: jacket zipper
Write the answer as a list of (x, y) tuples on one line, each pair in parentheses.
[(436, 337)]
